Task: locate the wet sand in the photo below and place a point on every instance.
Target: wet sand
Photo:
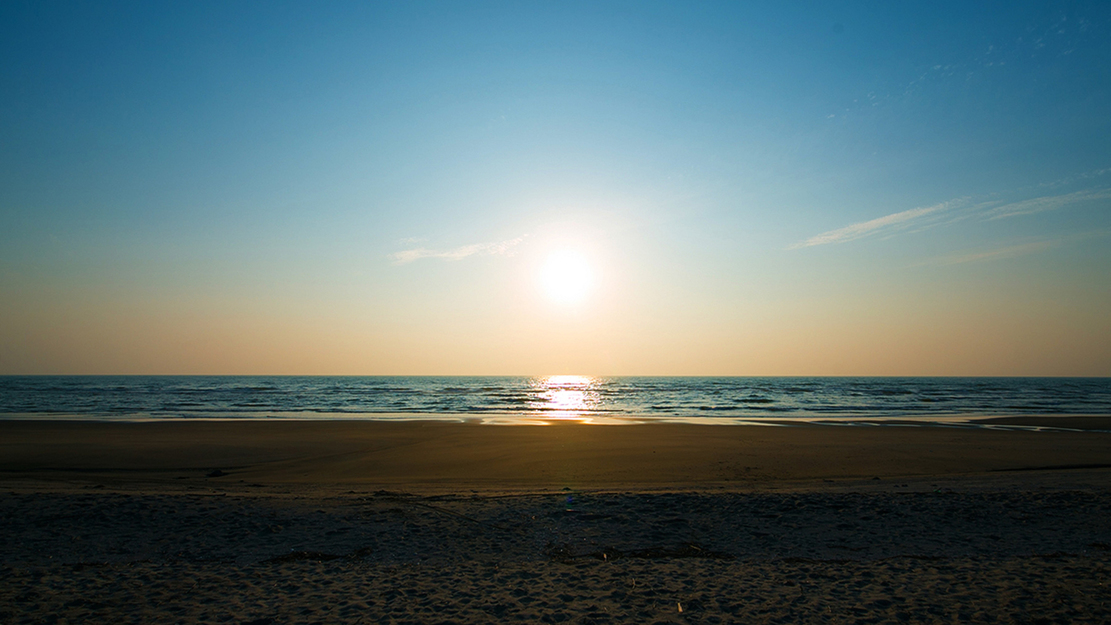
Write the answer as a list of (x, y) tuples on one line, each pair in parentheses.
[(288, 522), (442, 457)]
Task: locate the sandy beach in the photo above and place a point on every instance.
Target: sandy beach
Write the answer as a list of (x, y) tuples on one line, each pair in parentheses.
[(428, 522)]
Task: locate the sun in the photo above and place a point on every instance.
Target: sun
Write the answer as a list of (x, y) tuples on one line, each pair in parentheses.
[(566, 277)]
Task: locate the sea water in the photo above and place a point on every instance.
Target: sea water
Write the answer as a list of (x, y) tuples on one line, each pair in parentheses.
[(511, 399)]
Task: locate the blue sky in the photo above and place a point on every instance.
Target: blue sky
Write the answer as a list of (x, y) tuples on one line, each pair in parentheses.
[(760, 188)]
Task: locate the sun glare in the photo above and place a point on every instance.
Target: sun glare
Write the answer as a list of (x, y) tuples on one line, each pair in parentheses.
[(565, 396), (566, 277)]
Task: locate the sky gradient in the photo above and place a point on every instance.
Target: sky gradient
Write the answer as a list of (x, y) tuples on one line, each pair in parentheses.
[(375, 188)]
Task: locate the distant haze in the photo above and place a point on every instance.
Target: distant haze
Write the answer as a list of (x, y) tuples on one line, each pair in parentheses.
[(537, 188)]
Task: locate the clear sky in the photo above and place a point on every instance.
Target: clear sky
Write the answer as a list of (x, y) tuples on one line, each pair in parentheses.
[(736, 188)]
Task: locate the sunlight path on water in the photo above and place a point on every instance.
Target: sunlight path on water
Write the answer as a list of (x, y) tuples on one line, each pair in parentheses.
[(847, 402)]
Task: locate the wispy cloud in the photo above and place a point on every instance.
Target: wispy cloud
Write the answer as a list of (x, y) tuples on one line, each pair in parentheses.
[(501, 248), (1046, 203), (999, 253), (887, 223), (949, 212), (1018, 249), (1088, 175)]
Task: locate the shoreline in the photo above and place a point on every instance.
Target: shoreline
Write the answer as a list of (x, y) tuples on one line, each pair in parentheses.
[(1041, 421)]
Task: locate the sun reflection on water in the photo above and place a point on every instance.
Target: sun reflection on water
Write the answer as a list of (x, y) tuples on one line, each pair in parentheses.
[(566, 396)]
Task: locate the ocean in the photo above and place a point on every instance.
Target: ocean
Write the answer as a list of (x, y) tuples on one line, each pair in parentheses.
[(523, 399)]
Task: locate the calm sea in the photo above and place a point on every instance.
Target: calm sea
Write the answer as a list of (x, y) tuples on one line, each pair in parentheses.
[(521, 399)]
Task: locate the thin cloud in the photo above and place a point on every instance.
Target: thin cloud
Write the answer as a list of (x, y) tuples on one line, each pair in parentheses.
[(887, 223), (1088, 175), (1045, 203), (1010, 251), (917, 219), (1020, 249), (501, 248)]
